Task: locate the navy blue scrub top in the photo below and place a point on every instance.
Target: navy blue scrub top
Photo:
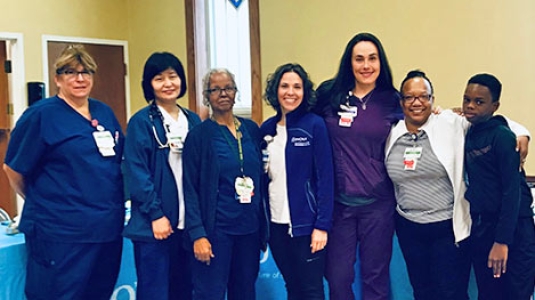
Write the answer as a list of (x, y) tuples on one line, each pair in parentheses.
[(73, 193), (233, 217)]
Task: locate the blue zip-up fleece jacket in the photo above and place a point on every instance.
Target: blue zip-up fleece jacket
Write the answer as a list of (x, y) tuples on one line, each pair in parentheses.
[(149, 178), (201, 180), (309, 170)]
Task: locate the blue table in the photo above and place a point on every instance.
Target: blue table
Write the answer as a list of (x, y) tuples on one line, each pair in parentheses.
[(12, 265), (13, 269), (270, 285)]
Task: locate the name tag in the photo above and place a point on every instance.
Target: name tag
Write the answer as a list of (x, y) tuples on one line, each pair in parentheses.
[(346, 119), (244, 189), (410, 158), (176, 142), (105, 142)]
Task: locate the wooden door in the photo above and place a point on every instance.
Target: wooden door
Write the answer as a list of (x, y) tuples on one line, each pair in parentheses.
[(109, 81), (8, 200)]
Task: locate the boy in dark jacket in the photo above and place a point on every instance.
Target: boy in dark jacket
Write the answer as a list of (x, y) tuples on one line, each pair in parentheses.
[(503, 230)]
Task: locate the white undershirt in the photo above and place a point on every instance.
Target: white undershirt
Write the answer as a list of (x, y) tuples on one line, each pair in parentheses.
[(278, 193), (177, 127)]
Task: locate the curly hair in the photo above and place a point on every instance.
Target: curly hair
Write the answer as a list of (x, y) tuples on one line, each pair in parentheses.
[(273, 81)]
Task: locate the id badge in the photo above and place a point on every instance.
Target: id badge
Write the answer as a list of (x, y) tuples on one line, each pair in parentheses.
[(105, 142), (244, 189), (176, 142), (346, 119), (413, 152), (409, 164), (265, 160), (410, 158)]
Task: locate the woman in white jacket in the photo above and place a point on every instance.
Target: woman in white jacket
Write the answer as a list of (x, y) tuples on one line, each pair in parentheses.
[(424, 159)]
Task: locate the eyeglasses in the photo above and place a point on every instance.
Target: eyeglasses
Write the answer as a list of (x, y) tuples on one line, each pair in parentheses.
[(218, 91), (422, 98), (71, 74)]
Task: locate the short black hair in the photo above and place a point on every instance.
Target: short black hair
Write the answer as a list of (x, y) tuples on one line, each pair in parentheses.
[(491, 82), (273, 81), (156, 64), (414, 74)]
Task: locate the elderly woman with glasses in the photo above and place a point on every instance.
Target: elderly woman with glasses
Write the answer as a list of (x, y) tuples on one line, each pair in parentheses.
[(153, 161), (225, 218), (64, 159)]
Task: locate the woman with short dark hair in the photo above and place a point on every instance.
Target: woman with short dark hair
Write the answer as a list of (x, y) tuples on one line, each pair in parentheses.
[(153, 161)]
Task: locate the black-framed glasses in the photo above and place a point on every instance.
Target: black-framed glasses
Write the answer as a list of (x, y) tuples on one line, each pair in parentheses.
[(71, 74), (218, 91), (423, 98)]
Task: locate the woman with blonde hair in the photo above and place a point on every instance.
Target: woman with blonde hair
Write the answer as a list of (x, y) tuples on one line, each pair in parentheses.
[(64, 159)]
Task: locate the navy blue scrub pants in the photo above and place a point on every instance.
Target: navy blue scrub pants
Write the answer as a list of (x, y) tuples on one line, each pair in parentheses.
[(233, 270), (66, 271), (519, 280), (163, 269), (438, 269), (302, 271)]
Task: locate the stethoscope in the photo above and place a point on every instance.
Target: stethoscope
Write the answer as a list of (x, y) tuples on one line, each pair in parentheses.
[(154, 111)]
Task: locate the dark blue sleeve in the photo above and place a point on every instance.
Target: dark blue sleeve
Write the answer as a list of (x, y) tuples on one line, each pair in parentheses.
[(191, 162), (508, 162), (27, 143), (138, 151), (323, 168)]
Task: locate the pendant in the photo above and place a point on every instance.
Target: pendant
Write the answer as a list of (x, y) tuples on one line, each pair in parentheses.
[(364, 106)]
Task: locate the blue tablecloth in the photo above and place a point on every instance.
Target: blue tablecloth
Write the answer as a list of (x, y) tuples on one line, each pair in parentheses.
[(12, 265), (270, 285)]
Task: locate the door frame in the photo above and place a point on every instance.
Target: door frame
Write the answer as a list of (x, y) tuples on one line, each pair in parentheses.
[(16, 84), (17, 78), (68, 39)]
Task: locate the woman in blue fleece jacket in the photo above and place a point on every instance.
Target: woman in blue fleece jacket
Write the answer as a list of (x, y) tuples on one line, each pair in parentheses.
[(153, 161), (299, 171)]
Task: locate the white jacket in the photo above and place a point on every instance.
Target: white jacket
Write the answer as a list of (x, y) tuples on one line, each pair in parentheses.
[(446, 132), (446, 135)]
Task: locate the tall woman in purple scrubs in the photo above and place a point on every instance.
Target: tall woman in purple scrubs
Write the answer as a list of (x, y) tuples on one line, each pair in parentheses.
[(362, 104), (64, 158)]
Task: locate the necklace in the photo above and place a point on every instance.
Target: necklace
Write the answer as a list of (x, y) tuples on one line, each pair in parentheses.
[(364, 99)]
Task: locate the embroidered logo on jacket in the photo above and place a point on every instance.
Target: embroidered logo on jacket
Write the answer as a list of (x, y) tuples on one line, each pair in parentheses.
[(300, 141), (472, 154)]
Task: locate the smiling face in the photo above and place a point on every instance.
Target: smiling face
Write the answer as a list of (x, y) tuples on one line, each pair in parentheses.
[(417, 102), (166, 86), (290, 92), (478, 106), (365, 63), (221, 101), (74, 85)]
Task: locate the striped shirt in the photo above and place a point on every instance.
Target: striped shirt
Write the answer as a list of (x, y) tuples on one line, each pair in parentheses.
[(425, 194)]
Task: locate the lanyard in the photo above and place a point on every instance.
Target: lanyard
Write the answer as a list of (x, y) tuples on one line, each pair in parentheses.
[(238, 137)]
